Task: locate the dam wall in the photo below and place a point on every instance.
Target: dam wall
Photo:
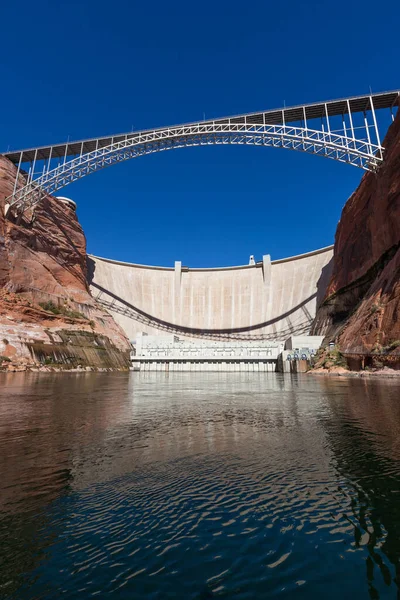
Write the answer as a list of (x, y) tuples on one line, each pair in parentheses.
[(266, 300)]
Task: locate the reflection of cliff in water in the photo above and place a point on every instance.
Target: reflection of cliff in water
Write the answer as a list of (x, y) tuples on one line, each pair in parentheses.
[(39, 441), (363, 432)]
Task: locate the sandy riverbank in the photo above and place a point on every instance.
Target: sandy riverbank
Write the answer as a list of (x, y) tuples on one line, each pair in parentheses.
[(341, 372)]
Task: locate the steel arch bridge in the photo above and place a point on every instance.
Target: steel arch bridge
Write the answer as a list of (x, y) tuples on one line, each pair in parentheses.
[(345, 130)]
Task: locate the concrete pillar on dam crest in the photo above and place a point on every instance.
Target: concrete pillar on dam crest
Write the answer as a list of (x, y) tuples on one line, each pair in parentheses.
[(266, 267), (177, 291)]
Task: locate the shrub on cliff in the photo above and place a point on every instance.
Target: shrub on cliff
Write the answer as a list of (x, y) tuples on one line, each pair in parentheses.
[(392, 346), (49, 306), (327, 359)]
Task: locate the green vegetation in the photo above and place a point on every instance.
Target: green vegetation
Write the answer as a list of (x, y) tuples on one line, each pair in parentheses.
[(392, 346), (330, 358), (4, 359), (375, 308), (49, 306), (376, 348), (379, 349), (48, 361)]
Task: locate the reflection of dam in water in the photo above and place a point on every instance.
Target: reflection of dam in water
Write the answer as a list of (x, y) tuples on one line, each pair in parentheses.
[(265, 300)]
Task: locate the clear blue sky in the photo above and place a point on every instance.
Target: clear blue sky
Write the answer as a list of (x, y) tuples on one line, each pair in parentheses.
[(87, 68)]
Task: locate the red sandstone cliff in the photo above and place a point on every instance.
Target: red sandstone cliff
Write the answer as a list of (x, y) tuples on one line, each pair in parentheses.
[(362, 303), (46, 310)]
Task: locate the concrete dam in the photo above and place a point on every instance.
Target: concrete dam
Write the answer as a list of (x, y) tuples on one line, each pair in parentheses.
[(266, 300)]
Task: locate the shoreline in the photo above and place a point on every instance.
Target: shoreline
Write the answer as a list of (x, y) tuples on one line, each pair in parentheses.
[(335, 372), (385, 373), (46, 369)]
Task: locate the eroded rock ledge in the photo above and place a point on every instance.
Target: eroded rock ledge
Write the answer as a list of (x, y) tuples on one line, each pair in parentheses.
[(47, 315)]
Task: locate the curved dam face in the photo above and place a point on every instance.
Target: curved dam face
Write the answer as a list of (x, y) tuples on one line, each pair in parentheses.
[(265, 300)]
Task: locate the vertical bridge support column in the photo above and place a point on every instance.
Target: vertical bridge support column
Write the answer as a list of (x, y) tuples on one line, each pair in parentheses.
[(378, 139)]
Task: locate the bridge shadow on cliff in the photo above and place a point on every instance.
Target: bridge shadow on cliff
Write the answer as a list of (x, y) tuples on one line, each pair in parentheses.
[(117, 304)]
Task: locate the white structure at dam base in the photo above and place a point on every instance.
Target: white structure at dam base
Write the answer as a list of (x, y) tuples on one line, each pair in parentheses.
[(170, 353)]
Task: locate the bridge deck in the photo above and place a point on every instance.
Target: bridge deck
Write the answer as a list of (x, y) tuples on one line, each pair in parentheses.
[(290, 114)]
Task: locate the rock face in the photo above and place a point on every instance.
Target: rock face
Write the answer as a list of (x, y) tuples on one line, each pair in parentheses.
[(46, 310), (362, 303)]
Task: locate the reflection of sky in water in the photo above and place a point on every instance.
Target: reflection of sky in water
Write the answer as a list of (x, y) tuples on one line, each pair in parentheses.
[(199, 485)]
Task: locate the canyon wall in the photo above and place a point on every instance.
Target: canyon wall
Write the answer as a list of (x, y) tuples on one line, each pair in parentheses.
[(361, 308), (47, 314)]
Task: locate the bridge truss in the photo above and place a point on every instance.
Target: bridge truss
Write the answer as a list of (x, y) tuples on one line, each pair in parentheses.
[(344, 130)]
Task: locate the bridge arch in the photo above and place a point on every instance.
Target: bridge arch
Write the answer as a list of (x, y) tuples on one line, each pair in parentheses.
[(293, 128), (333, 146)]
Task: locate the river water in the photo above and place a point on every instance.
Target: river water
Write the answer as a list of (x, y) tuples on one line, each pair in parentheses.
[(199, 485)]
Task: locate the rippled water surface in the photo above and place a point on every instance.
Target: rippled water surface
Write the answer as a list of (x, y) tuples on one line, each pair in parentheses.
[(198, 486)]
